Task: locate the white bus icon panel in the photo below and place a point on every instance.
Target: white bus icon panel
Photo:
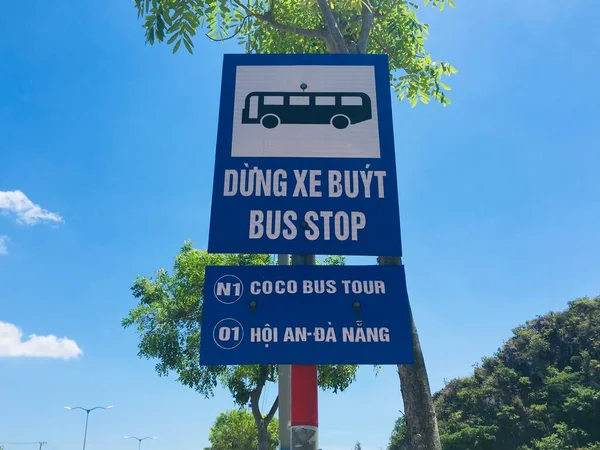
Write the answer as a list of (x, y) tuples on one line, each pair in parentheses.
[(334, 116)]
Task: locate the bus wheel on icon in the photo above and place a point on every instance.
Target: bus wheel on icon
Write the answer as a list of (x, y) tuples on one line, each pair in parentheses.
[(270, 121), (228, 289), (228, 334), (340, 121)]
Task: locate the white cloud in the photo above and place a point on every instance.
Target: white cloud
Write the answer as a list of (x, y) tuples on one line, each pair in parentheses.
[(27, 212), (12, 344), (3, 241)]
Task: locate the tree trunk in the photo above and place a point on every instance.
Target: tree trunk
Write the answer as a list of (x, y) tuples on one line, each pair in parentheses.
[(262, 422), (421, 422), (263, 436)]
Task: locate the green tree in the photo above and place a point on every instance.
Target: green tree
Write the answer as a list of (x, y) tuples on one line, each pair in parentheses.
[(311, 26), (540, 391), (168, 318), (398, 437), (236, 429), (319, 26), (358, 446)]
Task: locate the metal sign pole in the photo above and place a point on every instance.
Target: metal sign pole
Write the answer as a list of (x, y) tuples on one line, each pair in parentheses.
[(284, 406), (284, 377), (304, 393)]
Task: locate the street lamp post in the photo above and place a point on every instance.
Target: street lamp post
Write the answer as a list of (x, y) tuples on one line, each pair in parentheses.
[(40, 443), (87, 416), (140, 440)]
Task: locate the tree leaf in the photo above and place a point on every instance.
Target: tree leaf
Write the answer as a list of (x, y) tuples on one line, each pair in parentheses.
[(172, 38), (188, 46), (177, 45)]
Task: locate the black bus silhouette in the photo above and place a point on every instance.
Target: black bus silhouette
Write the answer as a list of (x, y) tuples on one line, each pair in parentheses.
[(339, 109)]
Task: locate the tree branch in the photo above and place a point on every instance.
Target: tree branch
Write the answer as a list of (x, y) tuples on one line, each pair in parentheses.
[(254, 397), (235, 33), (366, 26), (272, 411), (332, 27), (330, 44), (268, 18), (256, 393)]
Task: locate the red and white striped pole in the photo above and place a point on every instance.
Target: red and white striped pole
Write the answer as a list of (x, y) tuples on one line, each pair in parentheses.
[(305, 411), (304, 417)]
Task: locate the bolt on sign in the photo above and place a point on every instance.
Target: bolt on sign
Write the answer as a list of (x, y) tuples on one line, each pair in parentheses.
[(305, 157)]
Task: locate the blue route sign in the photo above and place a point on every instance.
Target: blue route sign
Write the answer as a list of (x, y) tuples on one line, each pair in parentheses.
[(305, 315), (305, 157)]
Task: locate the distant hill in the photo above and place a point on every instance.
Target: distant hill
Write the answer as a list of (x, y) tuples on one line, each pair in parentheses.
[(540, 391)]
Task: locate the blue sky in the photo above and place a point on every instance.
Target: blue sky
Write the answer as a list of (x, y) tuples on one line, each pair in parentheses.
[(499, 198)]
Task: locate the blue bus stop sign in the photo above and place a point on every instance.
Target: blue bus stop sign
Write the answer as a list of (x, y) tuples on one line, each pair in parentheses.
[(305, 315), (305, 157)]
